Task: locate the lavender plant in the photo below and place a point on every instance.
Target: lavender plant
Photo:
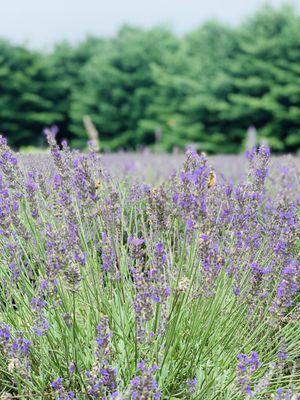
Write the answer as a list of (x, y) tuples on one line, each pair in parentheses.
[(118, 285)]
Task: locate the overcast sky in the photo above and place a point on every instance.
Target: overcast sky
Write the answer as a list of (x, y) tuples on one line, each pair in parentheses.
[(42, 22)]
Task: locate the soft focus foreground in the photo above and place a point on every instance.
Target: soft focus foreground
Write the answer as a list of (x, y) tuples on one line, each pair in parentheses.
[(112, 288)]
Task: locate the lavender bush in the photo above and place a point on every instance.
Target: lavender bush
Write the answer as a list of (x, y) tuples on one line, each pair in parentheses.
[(115, 286)]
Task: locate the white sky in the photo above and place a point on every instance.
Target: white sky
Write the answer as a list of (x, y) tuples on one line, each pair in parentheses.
[(43, 22)]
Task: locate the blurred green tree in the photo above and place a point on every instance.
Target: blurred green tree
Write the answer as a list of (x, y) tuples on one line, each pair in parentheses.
[(257, 84), (66, 62), (117, 86), (26, 103), (186, 88)]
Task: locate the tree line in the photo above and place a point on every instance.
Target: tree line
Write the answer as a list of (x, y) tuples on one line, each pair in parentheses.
[(146, 87)]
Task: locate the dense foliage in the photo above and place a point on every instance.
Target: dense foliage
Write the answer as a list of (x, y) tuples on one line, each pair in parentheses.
[(144, 86), (131, 289)]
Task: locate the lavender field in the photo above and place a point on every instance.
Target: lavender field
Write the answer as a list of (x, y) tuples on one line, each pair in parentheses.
[(149, 276)]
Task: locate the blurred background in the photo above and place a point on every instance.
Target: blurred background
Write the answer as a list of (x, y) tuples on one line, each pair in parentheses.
[(162, 74)]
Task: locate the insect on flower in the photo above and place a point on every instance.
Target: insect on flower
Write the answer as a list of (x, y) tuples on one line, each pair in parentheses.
[(212, 179), (97, 184)]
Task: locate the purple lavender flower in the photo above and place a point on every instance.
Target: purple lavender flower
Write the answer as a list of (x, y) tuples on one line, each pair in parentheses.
[(108, 256), (159, 208), (286, 394), (102, 379), (158, 275), (192, 385), (62, 394), (192, 188), (9, 166), (5, 335), (72, 367), (41, 324), (57, 384), (151, 284), (287, 287), (282, 354), (135, 245), (144, 385), (245, 369), (31, 191), (16, 349)]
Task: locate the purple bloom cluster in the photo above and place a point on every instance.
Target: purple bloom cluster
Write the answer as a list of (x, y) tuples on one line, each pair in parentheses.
[(246, 367), (159, 208), (41, 324), (102, 379), (191, 195), (16, 349), (144, 386), (9, 165), (288, 286), (286, 394), (158, 275), (108, 256), (151, 284), (57, 386), (31, 191), (192, 385)]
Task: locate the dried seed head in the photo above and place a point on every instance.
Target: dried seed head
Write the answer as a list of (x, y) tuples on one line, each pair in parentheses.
[(13, 364), (6, 396), (183, 284), (68, 319)]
